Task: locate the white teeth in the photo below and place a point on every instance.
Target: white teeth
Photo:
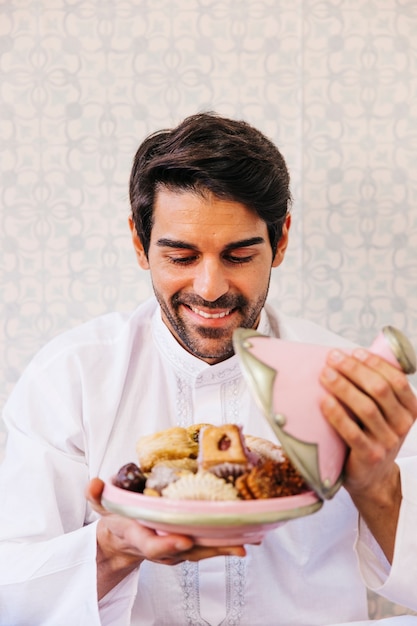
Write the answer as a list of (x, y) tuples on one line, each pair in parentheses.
[(210, 316)]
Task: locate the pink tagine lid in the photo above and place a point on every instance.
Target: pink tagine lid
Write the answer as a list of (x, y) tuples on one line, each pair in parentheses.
[(284, 379)]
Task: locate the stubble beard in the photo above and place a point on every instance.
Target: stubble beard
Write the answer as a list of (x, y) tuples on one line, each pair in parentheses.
[(193, 338)]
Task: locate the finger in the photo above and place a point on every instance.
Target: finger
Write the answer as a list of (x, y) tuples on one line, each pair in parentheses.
[(160, 547), (396, 377), (346, 426), (182, 547), (166, 548), (351, 403), (398, 382), (93, 493), (369, 394), (199, 553)]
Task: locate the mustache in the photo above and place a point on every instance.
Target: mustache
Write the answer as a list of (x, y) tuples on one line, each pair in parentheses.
[(224, 302)]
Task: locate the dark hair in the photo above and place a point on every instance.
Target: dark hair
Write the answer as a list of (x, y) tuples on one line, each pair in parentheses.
[(229, 158)]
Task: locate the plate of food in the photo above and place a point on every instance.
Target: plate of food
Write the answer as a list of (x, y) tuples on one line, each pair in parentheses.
[(213, 483)]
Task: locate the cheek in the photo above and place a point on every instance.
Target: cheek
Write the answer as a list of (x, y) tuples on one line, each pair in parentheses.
[(167, 281), (254, 282)]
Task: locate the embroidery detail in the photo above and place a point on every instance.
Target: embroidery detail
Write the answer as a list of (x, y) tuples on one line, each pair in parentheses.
[(190, 596), (235, 590), (230, 397), (219, 373), (231, 390), (184, 402)]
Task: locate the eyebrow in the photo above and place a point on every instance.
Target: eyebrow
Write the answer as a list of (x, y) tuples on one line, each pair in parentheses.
[(243, 243)]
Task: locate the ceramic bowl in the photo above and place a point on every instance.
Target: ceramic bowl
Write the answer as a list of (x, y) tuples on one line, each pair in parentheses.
[(210, 523)]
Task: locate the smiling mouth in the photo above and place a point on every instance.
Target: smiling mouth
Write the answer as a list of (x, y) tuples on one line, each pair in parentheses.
[(210, 316)]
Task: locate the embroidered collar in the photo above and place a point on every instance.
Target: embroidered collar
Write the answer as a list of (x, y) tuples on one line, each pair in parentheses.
[(192, 366)]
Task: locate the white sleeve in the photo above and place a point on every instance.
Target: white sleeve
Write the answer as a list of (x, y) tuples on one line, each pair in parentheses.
[(48, 574), (398, 581), (50, 582), (116, 606), (54, 582)]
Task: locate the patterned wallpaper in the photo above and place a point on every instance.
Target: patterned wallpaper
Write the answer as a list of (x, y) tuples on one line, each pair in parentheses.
[(333, 83)]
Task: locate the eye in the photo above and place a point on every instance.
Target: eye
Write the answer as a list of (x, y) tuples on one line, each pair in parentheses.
[(236, 260), (182, 260)]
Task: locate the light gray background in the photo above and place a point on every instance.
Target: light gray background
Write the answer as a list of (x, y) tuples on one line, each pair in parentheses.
[(333, 83)]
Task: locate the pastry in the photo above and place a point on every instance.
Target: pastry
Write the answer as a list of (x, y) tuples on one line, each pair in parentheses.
[(270, 480), (173, 443), (221, 444), (200, 486), (264, 448), (206, 462)]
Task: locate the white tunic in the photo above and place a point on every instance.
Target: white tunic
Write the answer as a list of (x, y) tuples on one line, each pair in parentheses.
[(77, 412)]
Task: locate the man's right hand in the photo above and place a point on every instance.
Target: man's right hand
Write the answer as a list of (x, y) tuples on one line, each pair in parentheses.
[(123, 543)]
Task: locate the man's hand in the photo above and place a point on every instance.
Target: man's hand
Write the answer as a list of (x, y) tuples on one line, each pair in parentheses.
[(123, 543), (372, 406)]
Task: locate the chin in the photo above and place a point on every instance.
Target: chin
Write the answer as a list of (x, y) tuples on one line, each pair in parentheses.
[(214, 355)]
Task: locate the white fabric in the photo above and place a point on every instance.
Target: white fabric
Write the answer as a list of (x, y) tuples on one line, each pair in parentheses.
[(77, 412)]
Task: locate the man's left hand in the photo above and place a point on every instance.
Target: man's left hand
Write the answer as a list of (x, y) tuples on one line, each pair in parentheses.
[(371, 404)]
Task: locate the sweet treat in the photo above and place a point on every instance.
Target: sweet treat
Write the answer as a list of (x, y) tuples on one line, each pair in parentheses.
[(229, 471), (270, 480), (264, 448), (173, 443), (194, 431), (206, 462), (200, 486), (130, 477), (164, 474), (221, 444), (178, 464)]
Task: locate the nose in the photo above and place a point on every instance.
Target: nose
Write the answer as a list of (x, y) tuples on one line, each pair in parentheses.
[(210, 280)]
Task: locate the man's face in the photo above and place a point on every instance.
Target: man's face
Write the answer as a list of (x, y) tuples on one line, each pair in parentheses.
[(210, 261)]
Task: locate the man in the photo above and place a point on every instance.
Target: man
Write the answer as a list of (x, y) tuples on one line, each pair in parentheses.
[(210, 219)]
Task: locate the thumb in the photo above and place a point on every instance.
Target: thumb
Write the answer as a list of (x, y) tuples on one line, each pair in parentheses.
[(93, 494)]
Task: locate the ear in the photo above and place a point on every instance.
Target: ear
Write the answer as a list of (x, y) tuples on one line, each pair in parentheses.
[(282, 243), (137, 244)]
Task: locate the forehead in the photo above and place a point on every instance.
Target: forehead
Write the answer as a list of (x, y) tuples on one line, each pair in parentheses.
[(185, 214)]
